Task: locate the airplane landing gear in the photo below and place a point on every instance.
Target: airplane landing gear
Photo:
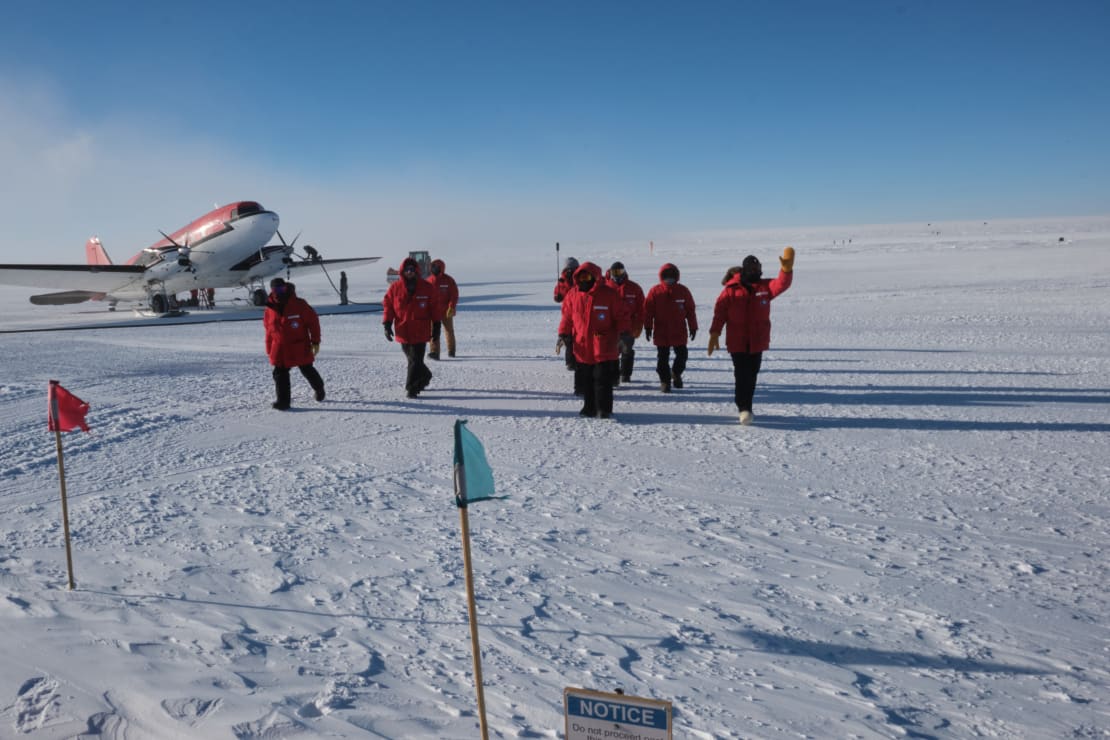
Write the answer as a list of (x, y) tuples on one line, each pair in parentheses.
[(258, 297), (158, 303)]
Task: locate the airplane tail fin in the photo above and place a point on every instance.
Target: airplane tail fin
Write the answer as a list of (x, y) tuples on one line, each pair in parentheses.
[(95, 254)]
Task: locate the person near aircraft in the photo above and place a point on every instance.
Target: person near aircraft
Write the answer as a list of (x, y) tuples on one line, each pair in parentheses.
[(412, 315), (744, 309), (292, 340), (448, 291), (342, 289)]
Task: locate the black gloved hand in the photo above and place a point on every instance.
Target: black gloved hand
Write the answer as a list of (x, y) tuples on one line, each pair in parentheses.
[(388, 332), (625, 342), (436, 326), (692, 333), (647, 333)]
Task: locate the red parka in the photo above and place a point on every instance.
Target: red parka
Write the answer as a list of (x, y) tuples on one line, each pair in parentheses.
[(595, 318), (669, 311), (446, 287), (746, 312), (411, 307), (633, 296), (292, 327)]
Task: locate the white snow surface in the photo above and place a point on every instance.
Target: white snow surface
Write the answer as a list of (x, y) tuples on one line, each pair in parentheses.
[(910, 541)]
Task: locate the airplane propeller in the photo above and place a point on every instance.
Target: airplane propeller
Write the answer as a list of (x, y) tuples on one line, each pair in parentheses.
[(182, 250), (287, 247)]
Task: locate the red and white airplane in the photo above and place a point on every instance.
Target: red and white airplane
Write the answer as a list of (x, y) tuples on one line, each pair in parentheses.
[(225, 248)]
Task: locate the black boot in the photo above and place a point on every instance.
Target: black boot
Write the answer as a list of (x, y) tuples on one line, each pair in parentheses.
[(282, 388), (676, 380), (627, 360), (312, 375)]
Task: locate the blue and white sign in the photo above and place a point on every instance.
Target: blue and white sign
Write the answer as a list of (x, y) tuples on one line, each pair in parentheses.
[(597, 715)]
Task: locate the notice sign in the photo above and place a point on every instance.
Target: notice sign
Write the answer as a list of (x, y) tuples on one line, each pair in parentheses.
[(596, 715)]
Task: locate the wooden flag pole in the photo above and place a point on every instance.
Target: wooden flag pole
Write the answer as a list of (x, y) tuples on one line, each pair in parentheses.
[(473, 611), (65, 507)]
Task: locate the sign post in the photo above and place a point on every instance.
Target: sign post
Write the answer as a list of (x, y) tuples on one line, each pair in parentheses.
[(597, 715)]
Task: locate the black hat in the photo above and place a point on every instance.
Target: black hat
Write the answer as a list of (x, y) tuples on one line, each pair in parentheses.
[(751, 270), (616, 266), (276, 282)]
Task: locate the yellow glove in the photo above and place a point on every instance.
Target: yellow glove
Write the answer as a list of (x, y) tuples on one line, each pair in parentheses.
[(787, 259), (449, 312), (315, 349), (714, 343), (559, 345)]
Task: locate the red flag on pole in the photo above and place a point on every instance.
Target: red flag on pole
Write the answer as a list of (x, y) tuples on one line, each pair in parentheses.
[(67, 411)]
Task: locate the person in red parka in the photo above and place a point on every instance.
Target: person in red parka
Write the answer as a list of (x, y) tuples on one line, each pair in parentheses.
[(292, 340), (670, 314), (564, 285), (448, 291), (595, 322), (412, 313), (633, 296), (744, 309)]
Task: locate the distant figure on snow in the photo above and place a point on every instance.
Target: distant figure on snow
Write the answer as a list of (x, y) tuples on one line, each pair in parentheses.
[(342, 289), (595, 322), (448, 291), (564, 285), (670, 315), (632, 295), (412, 313)]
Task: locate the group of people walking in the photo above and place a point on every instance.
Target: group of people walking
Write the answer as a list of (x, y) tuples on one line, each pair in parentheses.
[(415, 310), (603, 314)]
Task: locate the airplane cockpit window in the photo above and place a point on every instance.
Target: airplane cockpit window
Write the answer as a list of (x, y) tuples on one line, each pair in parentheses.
[(245, 209)]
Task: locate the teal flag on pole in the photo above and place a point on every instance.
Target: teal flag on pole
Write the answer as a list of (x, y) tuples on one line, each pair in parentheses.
[(473, 475)]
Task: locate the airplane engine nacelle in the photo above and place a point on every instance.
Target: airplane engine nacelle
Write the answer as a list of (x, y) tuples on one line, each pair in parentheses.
[(169, 267)]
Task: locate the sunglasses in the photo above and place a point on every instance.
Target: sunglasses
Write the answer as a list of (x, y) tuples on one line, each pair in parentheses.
[(616, 272), (409, 269), (584, 277)]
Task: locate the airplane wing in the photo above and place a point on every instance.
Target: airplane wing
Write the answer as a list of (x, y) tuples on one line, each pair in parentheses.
[(88, 278), (350, 262), (64, 298)]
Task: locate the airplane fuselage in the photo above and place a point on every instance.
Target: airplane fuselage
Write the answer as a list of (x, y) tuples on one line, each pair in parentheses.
[(225, 248)]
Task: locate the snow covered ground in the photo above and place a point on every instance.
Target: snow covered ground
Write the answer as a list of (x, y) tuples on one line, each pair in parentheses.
[(910, 542)]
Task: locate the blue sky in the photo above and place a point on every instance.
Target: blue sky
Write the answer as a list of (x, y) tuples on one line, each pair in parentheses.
[(525, 120)]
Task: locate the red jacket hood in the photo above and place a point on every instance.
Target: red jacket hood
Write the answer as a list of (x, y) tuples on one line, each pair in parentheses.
[(591, 268), (669, 266)]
